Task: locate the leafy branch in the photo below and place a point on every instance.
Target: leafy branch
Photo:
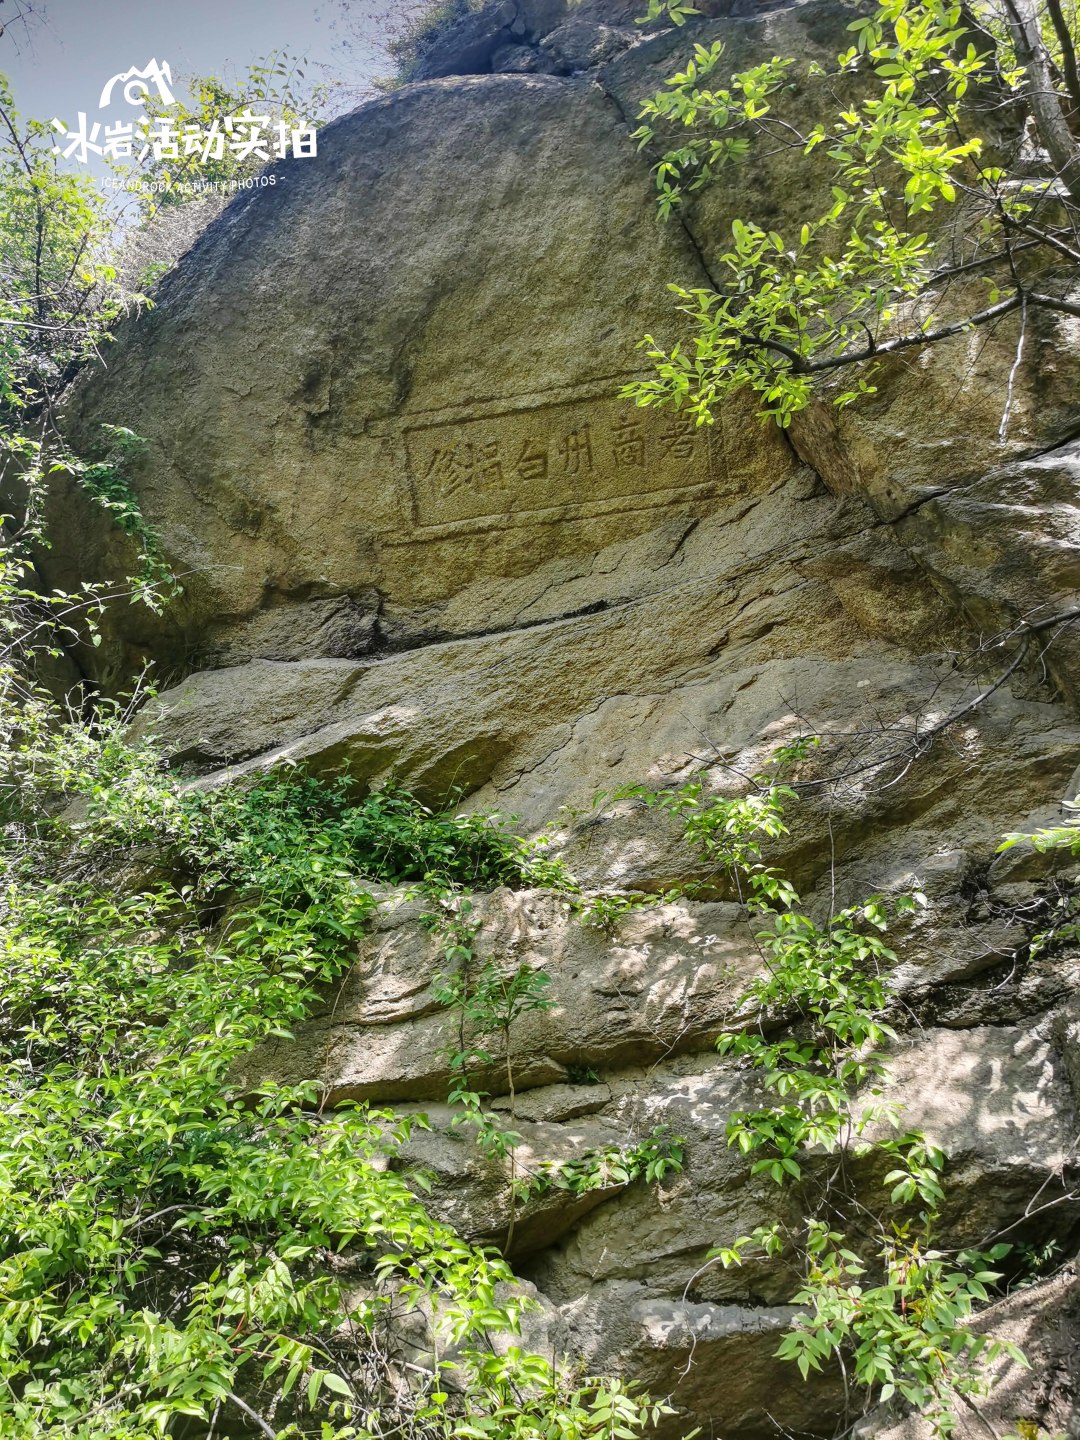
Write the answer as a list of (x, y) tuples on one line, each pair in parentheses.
[(864, 279)]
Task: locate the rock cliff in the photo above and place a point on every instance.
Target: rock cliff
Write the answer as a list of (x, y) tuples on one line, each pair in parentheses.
[(419, 536)]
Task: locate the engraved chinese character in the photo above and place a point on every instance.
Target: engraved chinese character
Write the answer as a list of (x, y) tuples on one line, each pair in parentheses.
[(576, 451), (463, 465), (628, 442), (532, 463), (489, 466), (451, 468), (678, 439)]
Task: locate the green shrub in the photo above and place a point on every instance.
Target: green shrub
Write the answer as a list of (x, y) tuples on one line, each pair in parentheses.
[(423, 31), (171, 1246)]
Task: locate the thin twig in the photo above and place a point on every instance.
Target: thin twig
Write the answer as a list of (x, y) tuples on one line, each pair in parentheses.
[(1003, 427), (252, 1415)]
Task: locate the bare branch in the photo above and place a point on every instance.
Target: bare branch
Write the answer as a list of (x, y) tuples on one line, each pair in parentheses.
[(253, 1415)]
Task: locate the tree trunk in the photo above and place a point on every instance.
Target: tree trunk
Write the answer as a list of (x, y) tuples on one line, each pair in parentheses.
[(1050, 123)]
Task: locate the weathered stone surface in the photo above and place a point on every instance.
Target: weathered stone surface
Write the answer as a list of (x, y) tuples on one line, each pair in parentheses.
[(580, 572), (425, 426), (468, 46), (661, 988), (422, 538), (624, 1271), (560, 36), (1043, 1320)]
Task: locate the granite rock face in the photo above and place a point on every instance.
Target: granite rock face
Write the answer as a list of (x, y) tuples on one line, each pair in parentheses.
[(420, 536)]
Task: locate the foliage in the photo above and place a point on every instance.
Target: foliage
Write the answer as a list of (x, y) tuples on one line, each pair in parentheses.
[(169, 1234), (59, 298), (273, 87), (1058, 915), (673, 10), (488, 1003), (106, 481), (907, 1334), (879, 1297), (606, 909), (919, 233), (729, 833), (62, 253), (28, 462), (609, 1166), (1057, 837), (33, 629), (422, 31)]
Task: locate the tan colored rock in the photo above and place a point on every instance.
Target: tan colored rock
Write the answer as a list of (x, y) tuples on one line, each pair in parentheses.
[(661, 987), (421, 538), (424, 424), (624, 1272)]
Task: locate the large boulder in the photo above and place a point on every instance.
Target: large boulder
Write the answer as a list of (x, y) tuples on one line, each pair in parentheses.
[(400, 466), (421, 536)]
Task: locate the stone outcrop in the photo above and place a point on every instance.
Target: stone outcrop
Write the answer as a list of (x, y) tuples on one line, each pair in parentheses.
[(420, 536)]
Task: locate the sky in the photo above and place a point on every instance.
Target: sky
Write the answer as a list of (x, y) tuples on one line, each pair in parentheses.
[(59, 57)]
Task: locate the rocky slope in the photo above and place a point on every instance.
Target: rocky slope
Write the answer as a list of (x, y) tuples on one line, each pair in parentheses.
[(419, 536)]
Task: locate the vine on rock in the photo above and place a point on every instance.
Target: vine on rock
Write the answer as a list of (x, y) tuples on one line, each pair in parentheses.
[(177, 1245), (879, 1296), (488, 1004)]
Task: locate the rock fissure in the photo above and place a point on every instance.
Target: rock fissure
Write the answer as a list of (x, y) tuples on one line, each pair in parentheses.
[(680, 219)]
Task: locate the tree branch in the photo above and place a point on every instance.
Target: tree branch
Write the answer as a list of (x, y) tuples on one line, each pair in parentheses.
[(1041, 236), (816, 364), (820, 364), (252, 1415), (1068, 54), (1054, 134), (920, 741)]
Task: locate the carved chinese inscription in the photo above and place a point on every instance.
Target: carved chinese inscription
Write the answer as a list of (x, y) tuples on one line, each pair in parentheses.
[(515, 464), (464, 465)]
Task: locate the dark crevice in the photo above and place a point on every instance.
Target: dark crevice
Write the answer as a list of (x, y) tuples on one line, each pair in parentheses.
[(387, 646), (1027, 457), (916, 505), (691, 238)]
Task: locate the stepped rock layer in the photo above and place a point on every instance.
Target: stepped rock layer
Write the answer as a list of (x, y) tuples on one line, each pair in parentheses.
[(420, 536)]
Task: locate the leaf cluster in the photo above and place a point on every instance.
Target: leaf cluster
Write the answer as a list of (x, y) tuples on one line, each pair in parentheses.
[(174, 1241)]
